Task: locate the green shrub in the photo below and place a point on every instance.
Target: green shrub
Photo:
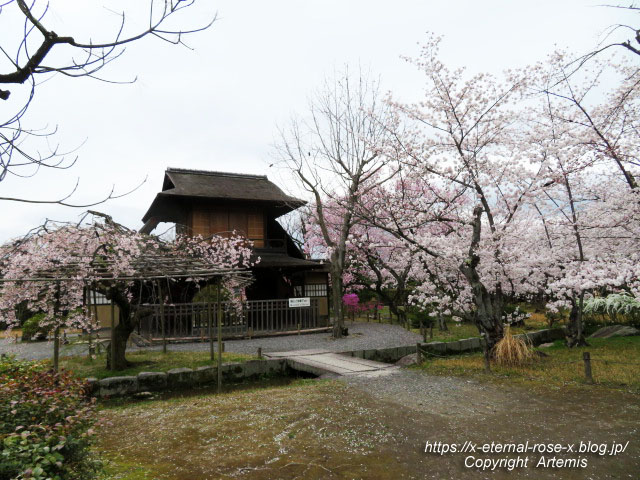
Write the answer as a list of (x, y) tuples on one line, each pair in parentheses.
[(32, 329), (46, 424), (616, 307), (209, 293), (415, 315)]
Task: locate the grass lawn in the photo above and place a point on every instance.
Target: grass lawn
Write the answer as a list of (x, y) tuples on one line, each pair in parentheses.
[(145, 361), (460, 330), (615, 364), (15, 333)]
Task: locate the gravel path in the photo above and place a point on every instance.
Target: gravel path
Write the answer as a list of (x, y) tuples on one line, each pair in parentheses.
[(419, 391), (451, 409), (361, 336), (37, 350)]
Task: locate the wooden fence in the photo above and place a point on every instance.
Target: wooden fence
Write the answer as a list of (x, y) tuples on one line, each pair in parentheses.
[(256, 317)]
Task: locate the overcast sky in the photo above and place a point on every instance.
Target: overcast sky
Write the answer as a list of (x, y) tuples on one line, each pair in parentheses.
[(217, 107)]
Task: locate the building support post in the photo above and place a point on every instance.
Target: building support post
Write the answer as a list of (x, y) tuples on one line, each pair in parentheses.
[(56, 334)]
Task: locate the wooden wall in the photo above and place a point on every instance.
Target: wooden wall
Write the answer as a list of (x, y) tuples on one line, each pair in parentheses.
[(207, 221)]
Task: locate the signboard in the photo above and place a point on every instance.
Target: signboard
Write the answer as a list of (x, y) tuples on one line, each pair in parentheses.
[(299, 302)]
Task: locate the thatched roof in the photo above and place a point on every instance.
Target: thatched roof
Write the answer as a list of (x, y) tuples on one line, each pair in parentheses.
[(208, 185)]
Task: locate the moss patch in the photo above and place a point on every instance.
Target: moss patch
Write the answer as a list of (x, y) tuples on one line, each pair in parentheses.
[(305, 430), (145, 361)]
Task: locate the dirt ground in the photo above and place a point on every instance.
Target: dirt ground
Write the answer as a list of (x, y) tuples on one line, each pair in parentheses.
[(366, 429)]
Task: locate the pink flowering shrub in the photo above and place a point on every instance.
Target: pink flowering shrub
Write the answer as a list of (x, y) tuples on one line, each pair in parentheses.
[(354, 307), (350, 300)]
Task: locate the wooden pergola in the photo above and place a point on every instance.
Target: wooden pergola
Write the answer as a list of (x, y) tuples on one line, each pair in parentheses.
[(153, 267)]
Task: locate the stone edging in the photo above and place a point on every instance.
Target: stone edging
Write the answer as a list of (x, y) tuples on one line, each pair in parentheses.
[(184, 378), (393, 354), (477, 343)]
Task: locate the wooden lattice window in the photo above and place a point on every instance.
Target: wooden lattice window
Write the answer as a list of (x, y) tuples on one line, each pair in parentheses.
[(222, 221), (311, 290), (256, 229)]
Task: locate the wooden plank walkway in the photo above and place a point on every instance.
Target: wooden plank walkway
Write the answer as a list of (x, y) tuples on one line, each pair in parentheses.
[(323, 362)]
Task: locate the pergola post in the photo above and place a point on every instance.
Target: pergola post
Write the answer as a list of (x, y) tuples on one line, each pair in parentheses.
[(219, 336), (87, 301), (112, 343), (95, 310), (210, 321), (56, 348), (56, 334), (162, 319)]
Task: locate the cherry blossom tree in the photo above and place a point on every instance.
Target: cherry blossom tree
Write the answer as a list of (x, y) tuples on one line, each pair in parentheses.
[(379, 262), (55, 266), (518, 189), (585, 138), (465, 182), (398, 272), (503, 191), (618, 35), (600, 104)]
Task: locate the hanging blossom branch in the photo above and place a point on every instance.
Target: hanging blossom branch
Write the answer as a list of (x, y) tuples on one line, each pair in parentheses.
[(50, 269)]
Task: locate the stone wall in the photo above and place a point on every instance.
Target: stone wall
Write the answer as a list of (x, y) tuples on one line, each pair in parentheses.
[(393, 354), (385, 355), (477, 344), (186, 378)]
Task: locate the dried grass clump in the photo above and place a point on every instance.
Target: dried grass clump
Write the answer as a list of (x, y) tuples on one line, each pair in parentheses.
[(512, 351)]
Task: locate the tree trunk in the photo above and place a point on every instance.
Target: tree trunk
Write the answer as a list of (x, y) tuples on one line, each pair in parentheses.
[(489, 305), (127, 322), (442, 324), (336, 300), (574, 334), (399, 313), (488, 318), (402, 318), (120, 337)]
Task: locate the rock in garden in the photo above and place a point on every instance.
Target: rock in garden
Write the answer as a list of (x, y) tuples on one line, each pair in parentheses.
[(143, 395), (615, 331), (408, 360)]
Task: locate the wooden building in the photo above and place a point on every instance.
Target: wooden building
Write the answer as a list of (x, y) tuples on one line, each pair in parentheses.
[(217, 203)]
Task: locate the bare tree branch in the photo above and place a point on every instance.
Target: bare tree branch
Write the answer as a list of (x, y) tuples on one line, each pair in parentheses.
[(28, 60), (333, 155)]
